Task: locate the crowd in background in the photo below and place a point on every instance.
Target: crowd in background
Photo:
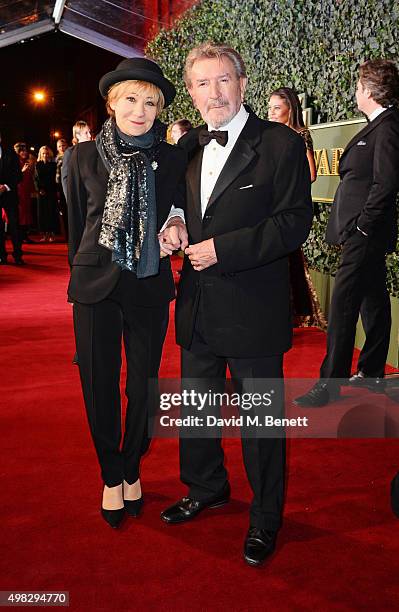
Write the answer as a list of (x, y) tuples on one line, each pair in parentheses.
[(42, 210)]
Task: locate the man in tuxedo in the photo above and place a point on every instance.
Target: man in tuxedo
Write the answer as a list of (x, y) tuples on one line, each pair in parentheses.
[(248, 206), (363, 221), (10, 176)]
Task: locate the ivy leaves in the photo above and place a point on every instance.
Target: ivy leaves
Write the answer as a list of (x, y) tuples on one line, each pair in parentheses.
[(314, 46)]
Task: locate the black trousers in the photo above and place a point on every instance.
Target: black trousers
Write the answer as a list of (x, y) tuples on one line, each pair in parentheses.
[(99, 330), (202, 460), (12, 228), (360, 288)]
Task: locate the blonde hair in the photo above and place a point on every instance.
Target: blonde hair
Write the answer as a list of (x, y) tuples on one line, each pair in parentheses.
[(77, 130), (118, 89), (79, 125), (41, 153), (211, 50)]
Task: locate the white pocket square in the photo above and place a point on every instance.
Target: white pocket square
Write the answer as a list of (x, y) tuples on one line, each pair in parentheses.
[(361, 143), (246, 187)]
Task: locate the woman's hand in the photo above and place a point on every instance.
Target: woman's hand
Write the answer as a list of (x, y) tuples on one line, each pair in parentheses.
[(173, 237)]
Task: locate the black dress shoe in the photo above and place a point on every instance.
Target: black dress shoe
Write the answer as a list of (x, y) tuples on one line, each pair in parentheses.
[(259, 544), (113, 517), (133, 506), (3, 261), (19, 261), (360, 379), (188, 508), (395, 495), (321, 394)]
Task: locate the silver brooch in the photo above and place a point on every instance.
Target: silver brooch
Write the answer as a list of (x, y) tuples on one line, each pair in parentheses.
[(154, 165)]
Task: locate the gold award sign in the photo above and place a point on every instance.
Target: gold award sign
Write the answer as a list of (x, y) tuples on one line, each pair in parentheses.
[(329, 141)]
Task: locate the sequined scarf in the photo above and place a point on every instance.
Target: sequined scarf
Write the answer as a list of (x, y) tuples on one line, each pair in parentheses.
[(129, 222)]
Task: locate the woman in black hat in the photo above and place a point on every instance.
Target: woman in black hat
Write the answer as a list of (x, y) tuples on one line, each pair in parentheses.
[(122, 188)]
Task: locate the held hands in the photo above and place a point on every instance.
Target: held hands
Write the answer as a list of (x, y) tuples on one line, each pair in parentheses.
[(173, 237), (202, 255)]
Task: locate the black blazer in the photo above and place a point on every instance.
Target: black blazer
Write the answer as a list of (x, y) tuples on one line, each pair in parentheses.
[(93, 273), (246, 295), (10, 175), (366, 195)]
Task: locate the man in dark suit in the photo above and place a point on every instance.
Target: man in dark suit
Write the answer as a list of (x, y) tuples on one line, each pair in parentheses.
[(80, 133), (364, 221), (10, 176), (248, 207)]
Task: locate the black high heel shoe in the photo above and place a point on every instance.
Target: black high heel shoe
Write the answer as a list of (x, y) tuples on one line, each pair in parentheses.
[(113, 517), (133, 506)]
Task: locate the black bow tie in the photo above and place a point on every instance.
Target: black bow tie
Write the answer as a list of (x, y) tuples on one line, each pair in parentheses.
[(205, 137)]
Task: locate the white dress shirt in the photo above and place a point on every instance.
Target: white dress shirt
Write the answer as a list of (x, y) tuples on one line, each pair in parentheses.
[(215, 156), (213, 160)]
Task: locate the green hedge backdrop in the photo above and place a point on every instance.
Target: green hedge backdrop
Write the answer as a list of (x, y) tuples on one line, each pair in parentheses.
[(313, 46)]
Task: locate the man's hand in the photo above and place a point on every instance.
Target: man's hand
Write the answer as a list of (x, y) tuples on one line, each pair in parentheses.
[(173, 237), (3, 188), (202, 255)]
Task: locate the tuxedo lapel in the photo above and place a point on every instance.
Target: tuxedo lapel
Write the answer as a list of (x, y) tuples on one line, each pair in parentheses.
[(194, 180), (238, 159), (363, 132)]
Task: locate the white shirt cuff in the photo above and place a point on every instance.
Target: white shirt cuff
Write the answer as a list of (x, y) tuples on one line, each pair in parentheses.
[(174, 212)]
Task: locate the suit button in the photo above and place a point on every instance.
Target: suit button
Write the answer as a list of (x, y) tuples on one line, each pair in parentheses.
[(208, 217), (231, 274)]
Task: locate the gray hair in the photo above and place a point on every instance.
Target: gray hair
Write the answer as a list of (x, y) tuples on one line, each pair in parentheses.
[(381, 77), (212, 50)]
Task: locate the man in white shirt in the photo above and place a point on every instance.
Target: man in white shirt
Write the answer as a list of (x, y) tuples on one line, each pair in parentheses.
[(248, 206), (363, 221)]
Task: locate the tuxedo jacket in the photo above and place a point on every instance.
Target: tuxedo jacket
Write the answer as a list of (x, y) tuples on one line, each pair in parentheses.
[(366, 196), (10, 175), (93, 273), (259, 211)]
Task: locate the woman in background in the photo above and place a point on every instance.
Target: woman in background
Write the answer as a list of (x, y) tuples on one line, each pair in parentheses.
[(179, 128), (285, 107), (47, 194), (26, 189)]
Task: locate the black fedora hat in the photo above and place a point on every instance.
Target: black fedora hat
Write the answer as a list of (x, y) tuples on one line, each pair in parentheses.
[(138, 69)]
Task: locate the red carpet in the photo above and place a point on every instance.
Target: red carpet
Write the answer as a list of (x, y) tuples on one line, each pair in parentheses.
[(338, 550)]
